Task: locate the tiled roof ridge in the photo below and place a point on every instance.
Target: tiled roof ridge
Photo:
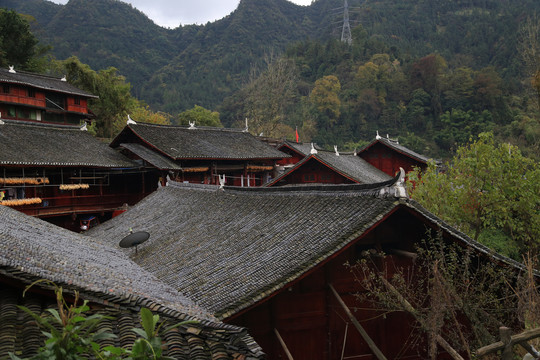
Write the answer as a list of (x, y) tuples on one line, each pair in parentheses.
[(54, 83), (23, 72), (372, 189), (42, 125), (185, 127)]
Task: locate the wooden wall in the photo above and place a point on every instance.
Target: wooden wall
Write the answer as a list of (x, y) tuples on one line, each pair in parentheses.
[(312, 323), (388, 160)]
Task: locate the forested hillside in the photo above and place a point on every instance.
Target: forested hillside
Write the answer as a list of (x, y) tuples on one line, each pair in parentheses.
[(177, 68), (434, 72)]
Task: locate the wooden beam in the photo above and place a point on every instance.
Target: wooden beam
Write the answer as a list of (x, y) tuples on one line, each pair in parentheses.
[(359, 327), (409, 308), (283, 345)]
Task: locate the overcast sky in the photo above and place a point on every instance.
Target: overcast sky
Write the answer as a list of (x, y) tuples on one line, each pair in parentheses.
[(171, 13)]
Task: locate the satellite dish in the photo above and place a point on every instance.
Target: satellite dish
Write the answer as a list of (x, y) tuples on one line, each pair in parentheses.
[(134, 239)]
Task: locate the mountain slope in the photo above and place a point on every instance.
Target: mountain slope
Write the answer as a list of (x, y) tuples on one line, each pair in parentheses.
[(173, 70)]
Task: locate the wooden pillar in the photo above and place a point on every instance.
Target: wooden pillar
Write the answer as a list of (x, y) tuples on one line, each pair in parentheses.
[(506, 338)]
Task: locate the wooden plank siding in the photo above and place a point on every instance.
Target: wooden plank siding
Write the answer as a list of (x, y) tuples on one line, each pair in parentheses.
[(388, 160), (313, 324)]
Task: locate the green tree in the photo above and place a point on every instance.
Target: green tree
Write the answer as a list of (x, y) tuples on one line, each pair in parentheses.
[(486, 187), (200, 116), (325, 97), (18, 46), (114, 102)]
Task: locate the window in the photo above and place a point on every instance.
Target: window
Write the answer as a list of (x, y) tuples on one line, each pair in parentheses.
[(6, 89), (32, 93), (77, 101)]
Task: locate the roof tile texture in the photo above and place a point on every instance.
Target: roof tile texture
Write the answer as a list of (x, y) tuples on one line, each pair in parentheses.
[(227, 249), (33, 144), (179, 142)]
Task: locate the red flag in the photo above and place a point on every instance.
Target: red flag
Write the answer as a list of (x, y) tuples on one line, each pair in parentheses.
[(297, 134)]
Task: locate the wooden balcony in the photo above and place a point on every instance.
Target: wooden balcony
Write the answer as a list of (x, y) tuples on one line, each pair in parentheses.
[(66, 205)]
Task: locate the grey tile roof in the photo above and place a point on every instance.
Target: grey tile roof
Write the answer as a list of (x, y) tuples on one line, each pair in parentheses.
[(228, 249), (393, 144), (302, 148), (43, 82), (349, 165), (37, 248), (23, 143), (152, 157), (32, 249), (20, 335), (179, 142)]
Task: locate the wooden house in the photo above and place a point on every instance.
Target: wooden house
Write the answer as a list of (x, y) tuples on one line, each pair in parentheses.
[(326, 167), (50, 167), (31, 250), (61, 173), (388, 155), (40, 98), (200, 154), (273, 260)]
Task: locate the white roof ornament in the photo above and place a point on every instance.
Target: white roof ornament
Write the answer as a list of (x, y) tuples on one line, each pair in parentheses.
[(378, 137), (1, 122), (221, 181), (84, 128), (246, 128), (335, 149), (355, 153), (130, 121), (64, 78), (313, 150), (12, 69), (397, 190), (400, 191), (192, 125)]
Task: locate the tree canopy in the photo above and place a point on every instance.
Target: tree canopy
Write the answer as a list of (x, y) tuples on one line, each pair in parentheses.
[(115, 101), (200, 117), (18, 45), (489, 191)]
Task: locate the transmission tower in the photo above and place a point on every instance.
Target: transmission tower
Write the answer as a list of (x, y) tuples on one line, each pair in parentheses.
[(346, 35)]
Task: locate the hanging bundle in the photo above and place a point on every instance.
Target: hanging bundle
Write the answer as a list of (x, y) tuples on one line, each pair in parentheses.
[(21, 202), (74, 186), (24, 181)]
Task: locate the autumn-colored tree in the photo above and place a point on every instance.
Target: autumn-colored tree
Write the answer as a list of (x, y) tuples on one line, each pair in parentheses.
[(325, 98), (427, 73), (487, 189), (268, 96)]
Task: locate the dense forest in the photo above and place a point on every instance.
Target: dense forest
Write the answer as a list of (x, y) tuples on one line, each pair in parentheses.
[(432, 72)]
